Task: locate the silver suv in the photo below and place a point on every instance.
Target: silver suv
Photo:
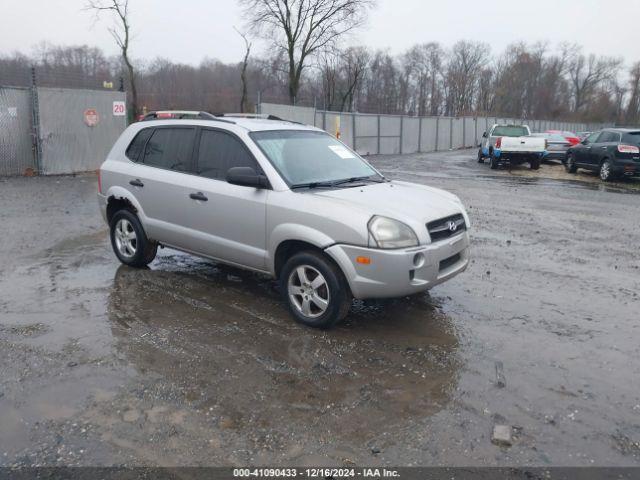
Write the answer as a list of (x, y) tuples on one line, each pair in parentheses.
[(283, 199)]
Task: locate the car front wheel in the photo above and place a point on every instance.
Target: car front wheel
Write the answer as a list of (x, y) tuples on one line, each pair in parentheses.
[(570, 164), (480, 156), (129, 242), (315, 290)]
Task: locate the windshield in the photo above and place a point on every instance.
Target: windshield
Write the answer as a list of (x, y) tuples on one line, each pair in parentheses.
[(306, 157), (510, 131)]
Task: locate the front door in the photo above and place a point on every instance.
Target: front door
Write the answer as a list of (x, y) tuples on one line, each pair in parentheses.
[(229, 221), (584, 150)]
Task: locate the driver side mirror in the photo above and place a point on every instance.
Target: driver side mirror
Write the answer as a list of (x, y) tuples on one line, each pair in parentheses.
[(246, 177), (485, 135)]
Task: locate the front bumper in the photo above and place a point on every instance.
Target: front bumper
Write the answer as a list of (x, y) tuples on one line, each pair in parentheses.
[(555, 155), (398, 273)]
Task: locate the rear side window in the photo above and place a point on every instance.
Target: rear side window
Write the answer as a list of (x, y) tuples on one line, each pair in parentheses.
[(510, 131), (632, 138), (218, 152), (171, 148), (137, 144)]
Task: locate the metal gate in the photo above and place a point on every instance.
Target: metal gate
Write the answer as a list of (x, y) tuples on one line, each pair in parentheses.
[(16, 140), (78, 128)]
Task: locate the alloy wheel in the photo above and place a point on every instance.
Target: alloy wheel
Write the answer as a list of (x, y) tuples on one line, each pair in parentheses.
[(308, 291), (126, 239)]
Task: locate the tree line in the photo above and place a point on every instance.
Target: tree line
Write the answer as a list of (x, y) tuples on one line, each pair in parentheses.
[(308, 67)]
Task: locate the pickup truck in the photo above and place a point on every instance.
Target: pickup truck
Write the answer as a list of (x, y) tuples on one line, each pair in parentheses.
[(513, 145)]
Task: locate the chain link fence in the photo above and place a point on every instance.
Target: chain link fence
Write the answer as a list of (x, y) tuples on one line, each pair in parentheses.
[(51, 130), (371, 134), (16, 134)]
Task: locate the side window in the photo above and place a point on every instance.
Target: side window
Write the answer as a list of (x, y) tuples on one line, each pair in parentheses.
[(593, 138), (171, 148), (137, 144), (219, 152)]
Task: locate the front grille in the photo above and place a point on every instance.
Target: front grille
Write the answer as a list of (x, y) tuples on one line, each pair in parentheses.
[(446, 227), (448, 262)]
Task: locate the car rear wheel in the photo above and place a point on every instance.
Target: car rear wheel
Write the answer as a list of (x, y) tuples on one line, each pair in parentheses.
[(570, 164), (493, 163), (534, 164), (606, 172), (315, 290), (129, 242), (480, 156)]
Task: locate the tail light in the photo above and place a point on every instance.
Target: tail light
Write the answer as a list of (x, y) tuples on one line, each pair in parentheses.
[(628, 149), (499, 142), (99, 181)]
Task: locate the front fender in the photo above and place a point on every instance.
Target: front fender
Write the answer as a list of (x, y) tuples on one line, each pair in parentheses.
[(292, 231)]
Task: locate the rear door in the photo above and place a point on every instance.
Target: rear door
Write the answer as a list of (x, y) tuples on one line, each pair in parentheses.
[(601, 148), (166, 171), (228, 221)]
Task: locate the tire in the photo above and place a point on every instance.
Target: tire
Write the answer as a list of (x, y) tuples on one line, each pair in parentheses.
[(534, 164), (570, 164), (606, 173), (129, 242), (307, 276), (480, 156), (493, 162)]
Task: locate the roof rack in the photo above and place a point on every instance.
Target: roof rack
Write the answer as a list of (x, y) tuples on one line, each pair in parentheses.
[(182, 115), (258, 116)]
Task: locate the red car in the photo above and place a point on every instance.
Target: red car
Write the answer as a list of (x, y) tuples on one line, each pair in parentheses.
[(571, 137)]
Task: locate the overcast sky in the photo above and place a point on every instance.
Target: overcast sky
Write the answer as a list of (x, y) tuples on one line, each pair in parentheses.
[(189, 30)]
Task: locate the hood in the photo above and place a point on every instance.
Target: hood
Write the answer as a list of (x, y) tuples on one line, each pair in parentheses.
[(410, 203)]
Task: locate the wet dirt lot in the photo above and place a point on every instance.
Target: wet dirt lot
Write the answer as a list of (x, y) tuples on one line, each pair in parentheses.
[(192, 363)]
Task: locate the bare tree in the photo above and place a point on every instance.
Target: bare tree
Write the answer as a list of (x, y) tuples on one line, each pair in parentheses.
[(586, 73), (633, 107), (243, 71), (303, 28), (121, 33)]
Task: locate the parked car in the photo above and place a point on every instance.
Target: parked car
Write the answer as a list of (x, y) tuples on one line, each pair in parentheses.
[(557, 146), (511, 144), (613, 153), (283, 199), (583, 135), (571, 137)]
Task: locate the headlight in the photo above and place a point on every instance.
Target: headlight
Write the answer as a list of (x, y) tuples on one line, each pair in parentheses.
[(389, 233)]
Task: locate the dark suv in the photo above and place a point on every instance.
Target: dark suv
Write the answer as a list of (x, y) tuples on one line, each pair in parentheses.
[(613, 153)]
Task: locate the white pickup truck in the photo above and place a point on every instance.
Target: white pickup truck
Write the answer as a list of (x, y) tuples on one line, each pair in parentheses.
[(512, 145)]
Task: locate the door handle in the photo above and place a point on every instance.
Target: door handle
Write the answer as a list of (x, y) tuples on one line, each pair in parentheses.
[(604, 148), (136, 183), (198, 196)]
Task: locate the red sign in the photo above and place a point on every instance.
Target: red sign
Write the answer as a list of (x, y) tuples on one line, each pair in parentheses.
[(91, 117)]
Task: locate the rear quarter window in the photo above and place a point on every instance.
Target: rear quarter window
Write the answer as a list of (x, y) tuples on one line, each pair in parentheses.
[(137, 144), (632, 138)]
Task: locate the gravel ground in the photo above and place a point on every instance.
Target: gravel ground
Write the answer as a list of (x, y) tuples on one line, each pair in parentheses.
[(193, 363)]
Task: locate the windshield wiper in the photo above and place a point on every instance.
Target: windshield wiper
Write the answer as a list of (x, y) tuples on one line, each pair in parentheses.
[(335, 183), (312, 185), (357, 179)]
